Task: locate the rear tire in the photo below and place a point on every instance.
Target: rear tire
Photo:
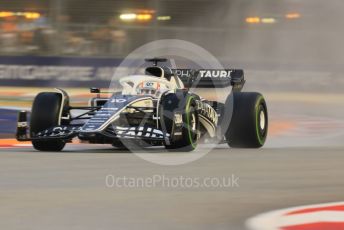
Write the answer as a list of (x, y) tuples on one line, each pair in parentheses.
[(249, 125), (45, 114)]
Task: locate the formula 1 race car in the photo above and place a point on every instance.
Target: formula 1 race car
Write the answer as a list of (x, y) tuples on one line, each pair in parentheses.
[(153, 109)]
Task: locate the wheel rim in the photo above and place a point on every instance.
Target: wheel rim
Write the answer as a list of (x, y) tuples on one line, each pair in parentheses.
[(193, 122), (262, 121)]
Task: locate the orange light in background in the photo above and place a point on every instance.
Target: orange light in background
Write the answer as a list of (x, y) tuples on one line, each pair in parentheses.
[(27, 15), (293, 16), (32, 15), (145, 11), (5, 14), (253, 20), (132, 17), (144, 17)]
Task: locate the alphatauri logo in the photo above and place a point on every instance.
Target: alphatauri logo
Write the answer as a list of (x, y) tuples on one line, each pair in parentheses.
[(215, 73)]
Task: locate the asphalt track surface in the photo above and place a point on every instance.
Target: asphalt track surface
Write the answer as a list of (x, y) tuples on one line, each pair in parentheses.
[(302, 163), (68, 190)]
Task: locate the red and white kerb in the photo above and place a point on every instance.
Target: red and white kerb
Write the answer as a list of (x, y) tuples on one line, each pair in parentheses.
[(313, 217)]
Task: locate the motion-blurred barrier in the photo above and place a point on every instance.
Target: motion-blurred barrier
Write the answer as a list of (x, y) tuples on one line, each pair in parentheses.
[(56, 71)]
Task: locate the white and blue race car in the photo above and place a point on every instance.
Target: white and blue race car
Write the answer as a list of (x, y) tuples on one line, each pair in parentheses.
[(153, 109)]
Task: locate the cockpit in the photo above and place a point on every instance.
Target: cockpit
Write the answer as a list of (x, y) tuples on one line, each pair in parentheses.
[(156, 81)]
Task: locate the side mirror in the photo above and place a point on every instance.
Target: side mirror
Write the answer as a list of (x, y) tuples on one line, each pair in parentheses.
[(94, 90)]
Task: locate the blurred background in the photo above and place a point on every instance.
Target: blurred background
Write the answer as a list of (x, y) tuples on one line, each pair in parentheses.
[(291, 50), (278, 32)]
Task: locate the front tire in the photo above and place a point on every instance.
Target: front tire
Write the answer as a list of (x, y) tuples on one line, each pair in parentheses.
[(249, 125), (184, 104), (45, 114)]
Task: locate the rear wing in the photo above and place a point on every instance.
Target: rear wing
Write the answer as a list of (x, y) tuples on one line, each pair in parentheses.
[(211, 78)]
